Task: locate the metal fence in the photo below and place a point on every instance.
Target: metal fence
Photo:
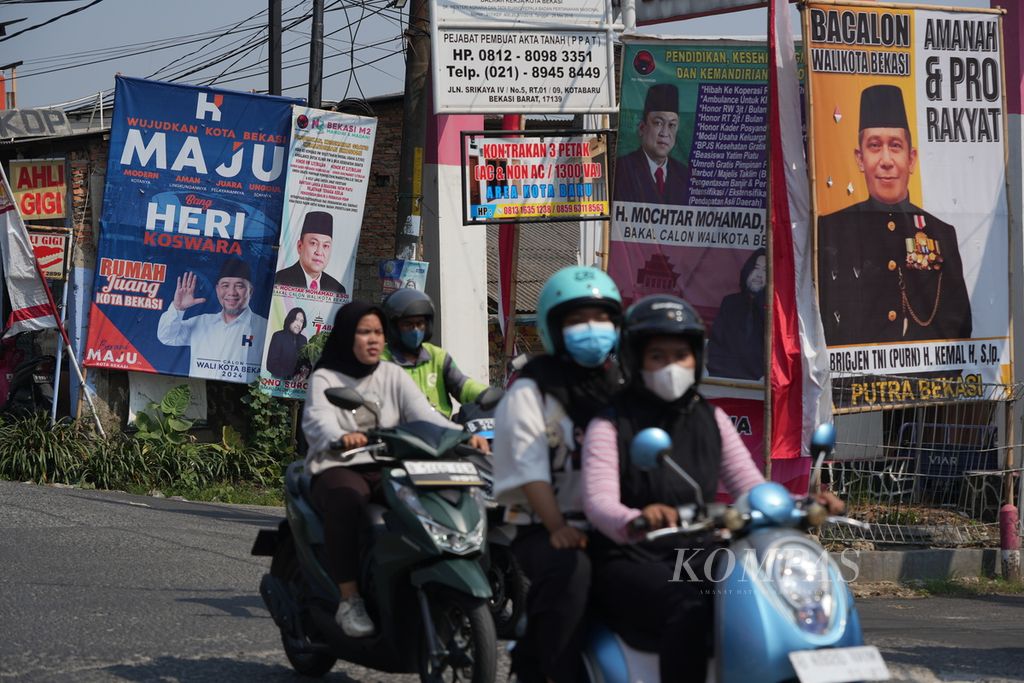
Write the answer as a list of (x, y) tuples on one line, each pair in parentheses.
[(933, 474)]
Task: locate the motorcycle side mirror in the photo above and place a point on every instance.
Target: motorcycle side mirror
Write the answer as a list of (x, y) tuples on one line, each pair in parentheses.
[(822, 442), (489, 398), (649, 447), (345, 398)]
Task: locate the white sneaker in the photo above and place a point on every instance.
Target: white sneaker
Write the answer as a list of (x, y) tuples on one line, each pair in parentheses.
[(353, 619)]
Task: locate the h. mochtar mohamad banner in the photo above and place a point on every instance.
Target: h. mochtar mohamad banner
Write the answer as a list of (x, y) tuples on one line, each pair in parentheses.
[(689, 195)]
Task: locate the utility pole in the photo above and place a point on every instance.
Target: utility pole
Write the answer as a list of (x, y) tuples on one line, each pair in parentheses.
[(414, 123), (274, 10), (316, 54)]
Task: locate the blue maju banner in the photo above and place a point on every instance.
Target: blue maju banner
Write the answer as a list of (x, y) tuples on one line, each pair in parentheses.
[(189, 230)]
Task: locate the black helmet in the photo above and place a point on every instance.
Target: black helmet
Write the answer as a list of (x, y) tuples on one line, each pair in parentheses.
[(405, 303), (660, 315)]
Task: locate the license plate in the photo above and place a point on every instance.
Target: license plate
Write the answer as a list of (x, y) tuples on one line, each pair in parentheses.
[(483, 424), (442, 473), (839, 665)]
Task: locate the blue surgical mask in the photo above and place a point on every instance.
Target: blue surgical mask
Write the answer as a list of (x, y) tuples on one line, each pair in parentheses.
[(590, 343), (412, 339)]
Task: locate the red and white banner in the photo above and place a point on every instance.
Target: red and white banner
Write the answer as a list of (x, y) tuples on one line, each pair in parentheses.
[(799, 379), (31, 307)]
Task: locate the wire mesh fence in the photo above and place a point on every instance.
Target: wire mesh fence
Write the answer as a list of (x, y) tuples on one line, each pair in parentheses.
[(931, 474)]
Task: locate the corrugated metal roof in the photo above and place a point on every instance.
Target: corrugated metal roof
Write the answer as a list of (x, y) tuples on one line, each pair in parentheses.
[(543, 249)]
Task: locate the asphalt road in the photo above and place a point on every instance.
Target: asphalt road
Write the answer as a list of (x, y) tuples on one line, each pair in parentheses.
[(105, 586)]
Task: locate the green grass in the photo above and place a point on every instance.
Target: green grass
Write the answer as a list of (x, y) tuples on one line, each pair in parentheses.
[(236, 494), (969, 587)]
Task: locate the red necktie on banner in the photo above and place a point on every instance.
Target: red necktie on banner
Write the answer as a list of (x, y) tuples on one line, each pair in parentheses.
[(659, 178), (314, 286)]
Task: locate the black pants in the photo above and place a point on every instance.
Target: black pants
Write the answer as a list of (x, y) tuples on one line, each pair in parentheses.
[(340, 494), (643, 604), (555, 606)]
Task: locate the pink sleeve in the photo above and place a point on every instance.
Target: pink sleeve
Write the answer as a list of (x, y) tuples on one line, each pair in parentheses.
[(601, 493), (739, 474)]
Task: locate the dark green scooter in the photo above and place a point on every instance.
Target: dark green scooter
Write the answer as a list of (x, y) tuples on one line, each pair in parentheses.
[(420, 577)]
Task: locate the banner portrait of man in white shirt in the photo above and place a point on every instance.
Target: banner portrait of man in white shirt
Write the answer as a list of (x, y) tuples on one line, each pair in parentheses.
[(227, 345)]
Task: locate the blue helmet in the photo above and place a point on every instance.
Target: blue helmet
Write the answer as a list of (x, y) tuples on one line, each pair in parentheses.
[(569, 288)]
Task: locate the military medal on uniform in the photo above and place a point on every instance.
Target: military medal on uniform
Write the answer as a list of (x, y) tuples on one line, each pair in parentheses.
[(923, 253)]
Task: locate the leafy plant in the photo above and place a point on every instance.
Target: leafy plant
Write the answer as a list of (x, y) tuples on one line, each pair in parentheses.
[(270, 423), (117, 462), (165, 422), (315, 348), (32, 450)]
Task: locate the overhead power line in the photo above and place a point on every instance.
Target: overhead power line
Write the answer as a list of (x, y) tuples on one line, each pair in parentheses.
[(50, 21)]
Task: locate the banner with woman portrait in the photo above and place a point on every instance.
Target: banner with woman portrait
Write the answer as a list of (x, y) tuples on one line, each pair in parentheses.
[(690, 189), (909, 185), (328, 169)]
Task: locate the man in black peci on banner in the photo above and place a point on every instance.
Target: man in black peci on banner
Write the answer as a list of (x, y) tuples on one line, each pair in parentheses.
[(314, 249), (650, 174), (889, 271)]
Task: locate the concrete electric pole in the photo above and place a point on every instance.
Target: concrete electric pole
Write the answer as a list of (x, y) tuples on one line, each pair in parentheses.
[(414, 121)]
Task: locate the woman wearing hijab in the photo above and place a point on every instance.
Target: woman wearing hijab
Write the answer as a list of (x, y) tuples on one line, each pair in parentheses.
[(286, 344), (537, 439), (341, 490), (736, 347), (636, 584)]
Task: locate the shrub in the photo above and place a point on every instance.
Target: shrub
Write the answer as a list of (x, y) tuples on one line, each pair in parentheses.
[(270, 423), (32, 450), (116, 462)]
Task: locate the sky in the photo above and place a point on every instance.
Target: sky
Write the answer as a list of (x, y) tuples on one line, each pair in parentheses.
[(165, 39)]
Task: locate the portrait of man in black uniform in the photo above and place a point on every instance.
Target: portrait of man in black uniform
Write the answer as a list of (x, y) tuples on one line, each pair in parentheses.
[(888, 271), (649, 174)]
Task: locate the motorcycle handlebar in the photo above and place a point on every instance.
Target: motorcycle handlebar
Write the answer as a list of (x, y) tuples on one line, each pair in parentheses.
[(370, 449)]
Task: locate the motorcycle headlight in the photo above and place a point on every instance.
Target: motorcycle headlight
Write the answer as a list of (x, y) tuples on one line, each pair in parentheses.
[(801, 578), (458, 542), (454, 541)]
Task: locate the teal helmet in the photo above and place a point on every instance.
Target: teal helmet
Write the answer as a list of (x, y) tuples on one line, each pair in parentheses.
[(569, 288)]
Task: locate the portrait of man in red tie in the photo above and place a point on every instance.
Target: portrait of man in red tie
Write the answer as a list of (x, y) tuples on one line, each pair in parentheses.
[(314, 247), (650, 174)]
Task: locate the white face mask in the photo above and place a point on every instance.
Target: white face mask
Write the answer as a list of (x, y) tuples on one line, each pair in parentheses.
[(670, 382)]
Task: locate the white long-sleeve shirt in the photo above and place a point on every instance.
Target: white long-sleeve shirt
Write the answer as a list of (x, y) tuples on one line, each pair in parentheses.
[(230, 351), (389, 386)]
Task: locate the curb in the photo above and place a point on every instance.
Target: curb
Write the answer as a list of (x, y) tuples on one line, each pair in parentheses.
[(868, 566)]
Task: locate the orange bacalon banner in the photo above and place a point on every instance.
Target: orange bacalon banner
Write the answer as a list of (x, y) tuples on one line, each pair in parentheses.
[(39, 188), (908, 165), (839, 90)]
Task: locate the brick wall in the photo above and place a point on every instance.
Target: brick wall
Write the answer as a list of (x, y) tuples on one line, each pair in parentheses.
[(377, 239)]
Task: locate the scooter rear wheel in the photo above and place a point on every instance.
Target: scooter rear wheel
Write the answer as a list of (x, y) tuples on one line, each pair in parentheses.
[(298, 649), (465, 629)]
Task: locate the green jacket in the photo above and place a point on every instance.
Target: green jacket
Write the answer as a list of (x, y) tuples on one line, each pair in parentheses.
[(437, 376)]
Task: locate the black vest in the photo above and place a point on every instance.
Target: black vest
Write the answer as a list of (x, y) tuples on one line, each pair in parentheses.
[(696, 447)]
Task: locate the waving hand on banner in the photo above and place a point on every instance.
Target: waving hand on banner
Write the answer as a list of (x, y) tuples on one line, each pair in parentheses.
[(184, 294)]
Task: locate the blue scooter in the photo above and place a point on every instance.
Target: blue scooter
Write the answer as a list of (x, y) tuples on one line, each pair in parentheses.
[(783, 612)]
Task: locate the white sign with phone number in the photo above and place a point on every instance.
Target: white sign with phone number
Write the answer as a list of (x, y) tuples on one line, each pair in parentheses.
[(529, 72)]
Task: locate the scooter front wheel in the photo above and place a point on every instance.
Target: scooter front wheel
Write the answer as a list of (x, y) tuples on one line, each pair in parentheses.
[(465, 630), (305, 655), (509, 587)]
